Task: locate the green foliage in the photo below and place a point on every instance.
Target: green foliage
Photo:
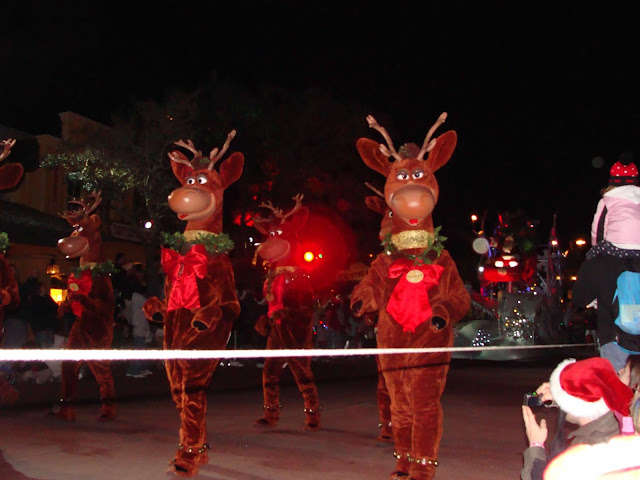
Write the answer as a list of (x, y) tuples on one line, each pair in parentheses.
[(214, 243), (106, 268), (4, 242), (435, 245)]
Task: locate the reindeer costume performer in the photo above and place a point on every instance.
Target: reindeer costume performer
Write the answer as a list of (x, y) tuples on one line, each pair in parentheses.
[(91, 297), (10, 175), (200, 303), (416, 288), (289, 322)]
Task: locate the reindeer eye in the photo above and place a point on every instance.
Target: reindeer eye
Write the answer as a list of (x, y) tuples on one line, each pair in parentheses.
[(190, 181), (402, 175), (279, 232), (390, 214), (202, 179), (418, 174), (80, 229), (273, 234)]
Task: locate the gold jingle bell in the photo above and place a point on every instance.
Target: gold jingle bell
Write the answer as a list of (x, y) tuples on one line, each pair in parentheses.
[(270, 297), (414, 276)]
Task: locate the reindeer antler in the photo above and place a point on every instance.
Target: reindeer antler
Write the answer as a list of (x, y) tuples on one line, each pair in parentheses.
[(214, 156), (85, 209), (428, 144), (276, 211), (298, 199), (189, 146), (7, 146), (391, 151), (374, 189)]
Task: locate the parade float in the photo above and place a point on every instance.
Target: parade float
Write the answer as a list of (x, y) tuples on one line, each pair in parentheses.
[(521, 294)]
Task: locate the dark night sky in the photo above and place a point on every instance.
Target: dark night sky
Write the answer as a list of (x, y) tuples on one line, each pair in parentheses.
[(535, 92)]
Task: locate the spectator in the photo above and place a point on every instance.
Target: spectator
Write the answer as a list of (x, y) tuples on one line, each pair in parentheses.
[(43, 316), (588, 393), (141, 333)]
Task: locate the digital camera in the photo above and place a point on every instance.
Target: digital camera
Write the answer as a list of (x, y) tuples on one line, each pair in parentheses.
[(532, 400)]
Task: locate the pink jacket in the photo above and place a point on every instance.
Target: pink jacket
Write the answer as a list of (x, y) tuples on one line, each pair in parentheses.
[(622, 218)]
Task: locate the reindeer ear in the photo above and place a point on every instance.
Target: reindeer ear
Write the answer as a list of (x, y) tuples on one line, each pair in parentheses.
[(231, 169), (180, 170), (376, 203), (441, 153), (95, 221), (372, 156), (298, 220), (10, 175)]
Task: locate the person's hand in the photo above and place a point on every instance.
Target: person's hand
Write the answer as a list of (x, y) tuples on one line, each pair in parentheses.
[(544, 391), (535, 433)]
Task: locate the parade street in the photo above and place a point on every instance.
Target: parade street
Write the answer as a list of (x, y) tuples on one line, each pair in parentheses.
[(483, 434)]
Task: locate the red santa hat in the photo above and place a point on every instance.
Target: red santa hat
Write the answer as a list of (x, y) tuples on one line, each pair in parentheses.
[(623, 172), (589, 388)]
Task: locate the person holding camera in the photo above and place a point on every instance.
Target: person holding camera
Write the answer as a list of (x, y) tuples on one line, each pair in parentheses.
[(588, 394)]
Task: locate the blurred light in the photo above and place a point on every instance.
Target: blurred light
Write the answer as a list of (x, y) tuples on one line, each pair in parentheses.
[(558, 277), (371, 255), (474, 218), (574, 278), (319, 255), (251, 239), (581, 242), (499, 263), (308, 256), (554, 242), (53, 269), (148, 224), (481, 269), (58, 295), (513, 263)]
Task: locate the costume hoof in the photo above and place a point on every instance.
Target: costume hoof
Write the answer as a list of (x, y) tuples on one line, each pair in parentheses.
[(264, 422), (383, 438), (65, 415), (398, 475), (106, 417), (312, 426), (198, 325)]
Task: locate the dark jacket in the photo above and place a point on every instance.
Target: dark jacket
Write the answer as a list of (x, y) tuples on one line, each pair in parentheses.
[(597, 279), (598, 431)]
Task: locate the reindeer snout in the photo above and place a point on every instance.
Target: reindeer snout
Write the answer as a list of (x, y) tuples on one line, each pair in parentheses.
[(413, 202), (273, 249), (73, 247), (188, 201)]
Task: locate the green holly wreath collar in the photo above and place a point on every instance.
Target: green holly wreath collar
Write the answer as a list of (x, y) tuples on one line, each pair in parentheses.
[(4, 242), (214, 243), (434, 243), (106, 268)]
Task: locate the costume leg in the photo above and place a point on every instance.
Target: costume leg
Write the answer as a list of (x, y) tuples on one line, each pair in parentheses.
[(301, 369), (271, 373), (102, 372), (426, 387), (8, 394), (384, 407), (69, 388), (394, 373), (192, 450)]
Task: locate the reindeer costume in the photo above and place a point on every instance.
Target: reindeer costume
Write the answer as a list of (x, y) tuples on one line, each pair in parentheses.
[(10, 175), (91, 298), (415, 287), (289, 322), (200, 303)]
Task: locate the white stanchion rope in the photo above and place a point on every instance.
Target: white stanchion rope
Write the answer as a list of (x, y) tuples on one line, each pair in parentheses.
[(31, 355)]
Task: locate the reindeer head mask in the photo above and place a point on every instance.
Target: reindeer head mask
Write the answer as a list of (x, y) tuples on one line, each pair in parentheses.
[(11, 173), (411, 190), (85, 240), (281, 230), (199, 200)]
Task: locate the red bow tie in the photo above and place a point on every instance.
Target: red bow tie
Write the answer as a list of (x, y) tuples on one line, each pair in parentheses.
[(79, 286), (409, 303), (182, 271)]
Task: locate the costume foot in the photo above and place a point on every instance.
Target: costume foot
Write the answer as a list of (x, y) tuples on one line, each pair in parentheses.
[(398, 475), (266, 422), (385, 438), (107, 413), (65, 413), (312, 418)]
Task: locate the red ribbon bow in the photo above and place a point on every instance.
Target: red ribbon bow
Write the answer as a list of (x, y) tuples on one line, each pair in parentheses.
[(79, 286), (409, 303), (277, 291), (182, 271)]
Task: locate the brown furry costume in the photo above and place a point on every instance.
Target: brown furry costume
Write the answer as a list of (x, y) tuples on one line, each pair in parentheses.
[(422, 288), (91, 300), (10, 175), (200, 303), (289, 322)]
